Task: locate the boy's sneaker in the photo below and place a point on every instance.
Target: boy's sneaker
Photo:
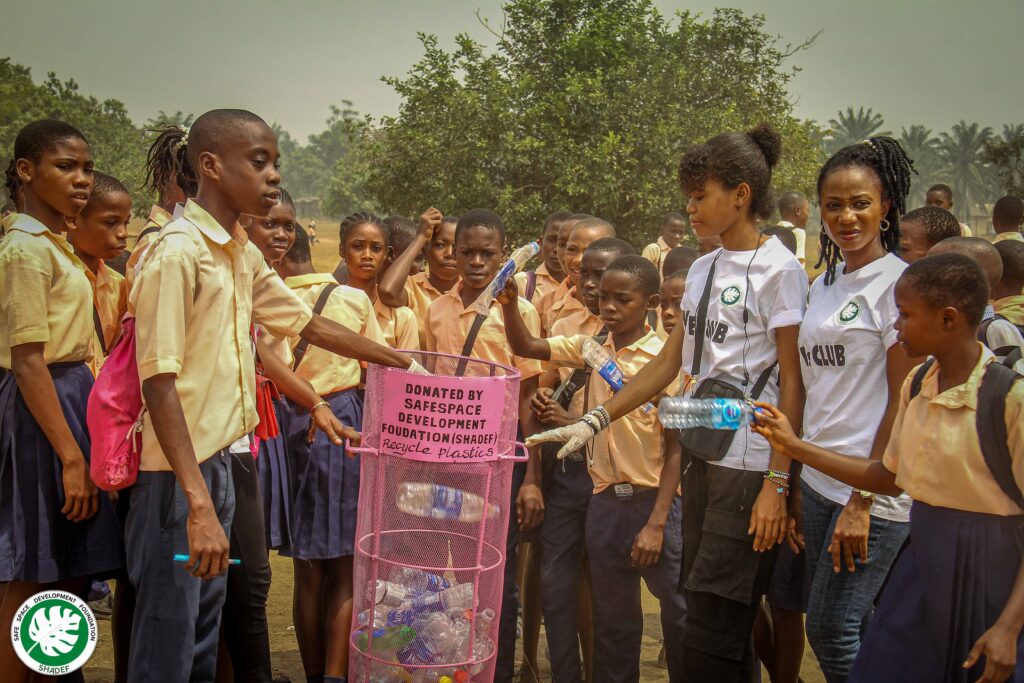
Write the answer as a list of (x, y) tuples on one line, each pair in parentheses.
[(103, 607)]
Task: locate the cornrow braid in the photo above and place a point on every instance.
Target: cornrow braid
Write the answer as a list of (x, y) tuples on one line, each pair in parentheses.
[(11, 182), (360, 218), (167, 162), (887, 158)]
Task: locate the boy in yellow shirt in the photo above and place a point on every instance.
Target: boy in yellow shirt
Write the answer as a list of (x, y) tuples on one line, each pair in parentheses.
[(479, 253), (585, 233), (633, 523), (673, 230), (536, 284), (98, 234), (1007, 218)]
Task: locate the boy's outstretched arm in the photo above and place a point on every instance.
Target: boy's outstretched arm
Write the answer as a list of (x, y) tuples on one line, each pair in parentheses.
[(861, 473), (522, 341), (391, 288)]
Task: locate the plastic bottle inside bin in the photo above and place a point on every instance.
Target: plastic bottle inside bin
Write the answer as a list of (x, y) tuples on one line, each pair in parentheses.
[(458, 597), (435, 641), (388, 673), (442, 502), (386, 641), (417, 581), (713, 413), (389, 593)]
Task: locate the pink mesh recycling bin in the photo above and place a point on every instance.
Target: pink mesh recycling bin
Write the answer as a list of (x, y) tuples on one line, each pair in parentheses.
[(437, 455)]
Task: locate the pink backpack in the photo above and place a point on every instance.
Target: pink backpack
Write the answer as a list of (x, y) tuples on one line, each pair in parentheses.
[(114, 415)]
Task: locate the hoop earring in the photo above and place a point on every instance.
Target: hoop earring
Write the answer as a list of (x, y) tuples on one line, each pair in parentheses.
[(884, 225)]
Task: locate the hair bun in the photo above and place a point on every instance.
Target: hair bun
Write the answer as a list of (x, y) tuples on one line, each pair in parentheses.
[(769, 141)]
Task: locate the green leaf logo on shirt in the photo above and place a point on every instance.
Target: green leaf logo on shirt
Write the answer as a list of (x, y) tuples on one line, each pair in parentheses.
[(731, 295), (54, 633), (849, 313)]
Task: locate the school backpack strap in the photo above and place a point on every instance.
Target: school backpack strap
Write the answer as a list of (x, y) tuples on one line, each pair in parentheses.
[(990, 419), (531, 285), (915, 384), (99, 329), (318, 308), (148, 231), (576, 381), (1001, 351), (1010, 359), (702, 320), (474, 332)]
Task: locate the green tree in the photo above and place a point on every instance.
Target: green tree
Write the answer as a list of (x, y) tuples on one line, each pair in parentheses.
[(923, 148), (1006, 156), (851, 126), (961, 150), (583, 105)]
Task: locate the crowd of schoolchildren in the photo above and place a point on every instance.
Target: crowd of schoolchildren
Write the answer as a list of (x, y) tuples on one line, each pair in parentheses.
[(876, 497)]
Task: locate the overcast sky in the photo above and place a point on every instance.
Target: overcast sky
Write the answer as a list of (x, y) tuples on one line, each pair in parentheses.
[(915, 61)]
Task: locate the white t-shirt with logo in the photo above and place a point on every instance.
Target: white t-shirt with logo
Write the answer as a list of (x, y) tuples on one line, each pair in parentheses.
[(734, 351), (848, 328)]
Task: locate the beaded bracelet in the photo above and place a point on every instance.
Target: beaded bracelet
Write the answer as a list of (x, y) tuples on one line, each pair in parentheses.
[(781, 484), (776, 473), (602, 415)]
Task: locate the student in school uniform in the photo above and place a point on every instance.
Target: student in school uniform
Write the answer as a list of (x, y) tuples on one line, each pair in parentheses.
[(1007, 218), (397, 289), (56, 530), (678, 261), (1008, 295), (365, 248), (165, 179), (99, 234), (479, 253), (952, 607), (537, 284), (568, 488), (673, 231), (1001, 336), (734, 515), (633, 517), (795, 211), (194, 301), (849, 357), (325, 480), (585, 233), (941, 195), (923, 228)]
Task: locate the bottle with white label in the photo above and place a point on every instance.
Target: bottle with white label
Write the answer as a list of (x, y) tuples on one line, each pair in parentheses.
[(442, 502), (713, 413)]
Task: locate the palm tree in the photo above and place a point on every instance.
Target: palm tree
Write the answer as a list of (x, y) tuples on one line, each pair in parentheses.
[(853, 126), (970, 178), (1012, 131), (922, 147)]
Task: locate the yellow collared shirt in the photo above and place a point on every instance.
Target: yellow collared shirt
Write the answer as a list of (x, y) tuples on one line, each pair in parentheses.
[(632, 448), (347, 306), (110, 294), (543, 289), (194, 301), (46, 294), (655, 252), (564, 305), (448, 325), (158, 218), (1009, 236), (421, 294), (934, 448), (399, 325), (1011, 308)]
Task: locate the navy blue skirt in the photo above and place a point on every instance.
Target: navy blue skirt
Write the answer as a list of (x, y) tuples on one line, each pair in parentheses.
[(275, 483), (947, 587), (325, 485), (37, 543)]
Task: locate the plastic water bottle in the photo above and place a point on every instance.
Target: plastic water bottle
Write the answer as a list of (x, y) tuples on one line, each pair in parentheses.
[(388, 673), (514, 264), (386, 641), (458, 597), (597, 357), (714, 413), (435, 640), (389, 593), (484, 622), (442, 502), (417, 581)]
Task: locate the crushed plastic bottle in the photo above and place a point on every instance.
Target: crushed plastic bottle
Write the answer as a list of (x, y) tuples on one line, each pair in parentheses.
[(417, 581), (435, 640)]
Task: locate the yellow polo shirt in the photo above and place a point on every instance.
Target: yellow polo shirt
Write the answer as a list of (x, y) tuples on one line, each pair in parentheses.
[(158, 218), (421, 294), (46, 294), (1008, 236), (632, 448), (655, 252), (565, 306), (399, 325), (934, 449), (544, 287), (448, 325), (194, 301), (1011, 308), (110, 293), (348, 306)]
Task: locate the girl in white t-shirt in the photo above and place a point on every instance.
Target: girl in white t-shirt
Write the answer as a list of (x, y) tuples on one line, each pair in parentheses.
[(852, 370), (734, 517)]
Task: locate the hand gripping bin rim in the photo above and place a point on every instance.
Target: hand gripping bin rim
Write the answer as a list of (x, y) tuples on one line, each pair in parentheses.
[(475, 545)]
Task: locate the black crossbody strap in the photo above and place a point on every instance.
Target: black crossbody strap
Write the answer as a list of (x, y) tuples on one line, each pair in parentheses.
[(915, 384), (702, 320), (99, 330), (762, 381), (318, 308), (567, 389), (474, 332)]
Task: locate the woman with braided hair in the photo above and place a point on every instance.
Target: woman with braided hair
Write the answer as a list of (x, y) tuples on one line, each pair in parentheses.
[(849, 359)]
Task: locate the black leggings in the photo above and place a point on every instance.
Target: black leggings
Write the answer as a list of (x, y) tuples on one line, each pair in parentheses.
[(245, 608)]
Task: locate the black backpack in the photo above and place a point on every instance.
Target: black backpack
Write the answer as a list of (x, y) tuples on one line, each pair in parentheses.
[(1002, 352), (990, 420)]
